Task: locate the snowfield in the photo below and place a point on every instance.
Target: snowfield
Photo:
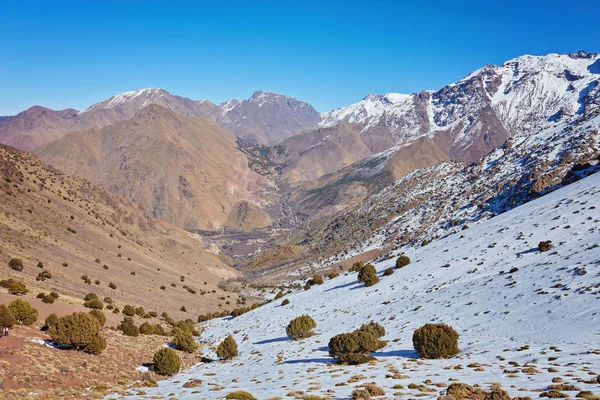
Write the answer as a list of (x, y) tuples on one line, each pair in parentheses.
[(520, 329)]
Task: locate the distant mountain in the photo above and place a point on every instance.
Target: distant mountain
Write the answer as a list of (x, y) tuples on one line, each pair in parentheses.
[(462, 122), (266, 118), (186, 171)]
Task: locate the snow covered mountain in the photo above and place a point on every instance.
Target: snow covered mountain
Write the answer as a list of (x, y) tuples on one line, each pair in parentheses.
[(462, 121), (527, 319)]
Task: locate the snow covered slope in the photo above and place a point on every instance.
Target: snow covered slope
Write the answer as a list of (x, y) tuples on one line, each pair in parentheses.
[(520, 328)]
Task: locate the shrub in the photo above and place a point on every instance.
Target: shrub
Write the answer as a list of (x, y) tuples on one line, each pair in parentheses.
[(24, 313), (279, 295), (307, 286), (285, 302), (368, 275), (388, 272), (357, 266), (129, 310), (139, 311), (127, 326), (545, 246), (90, 296), (402, 261), (16, 264), (94, 303), (183, 340), (360, 394), (240, 395), (436, 341), (355, 347), (166, 362), (17, 288), (5, 283), (6, 317), (40, 264), (112, 285), (227, 348), (51, 319), (54, 294), (80, 331), (316, 280), (99, 315), (48, 299), (301, 327), (42, 276), (149, 329), (332, 275)]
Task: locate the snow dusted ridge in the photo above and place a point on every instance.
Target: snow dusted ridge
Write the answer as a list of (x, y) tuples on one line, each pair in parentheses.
[(524, 317), (526, 93), (147, 96)]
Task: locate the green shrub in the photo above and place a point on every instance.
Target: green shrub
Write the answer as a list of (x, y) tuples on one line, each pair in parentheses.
[(166, 362), (16, 264), (183, 340), (112, 285), (127, 326), (436, 341), (6, 317), (285, 302), (301, 327), (17, 288), (24, 313), (332, 275), (42, 276), (360, 394), (316, 280), (368, 275), (129, 310), (99, 315), (357, 266), (279, 295), (227, 348), (5, 283), (545, 246), (80, 331), (51, 319), (388, 272), (402, 261), (139, 311), (240, 395), (48, 299), (94, 303), (355, 347), (149, 329)]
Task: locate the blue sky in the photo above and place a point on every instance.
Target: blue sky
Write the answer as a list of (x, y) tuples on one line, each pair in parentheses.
[(64, 54)]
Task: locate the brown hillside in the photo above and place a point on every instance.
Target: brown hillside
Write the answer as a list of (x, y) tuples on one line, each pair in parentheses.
[(186, 171), (75, 229)]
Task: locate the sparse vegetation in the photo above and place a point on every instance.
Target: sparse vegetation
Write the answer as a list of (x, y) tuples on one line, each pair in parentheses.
[(436, 341), (227, 348), (183, 340), (355, 347), (166, 362), (24, 313), (402, 261), (301, 327), (368, 275), (80, 331)]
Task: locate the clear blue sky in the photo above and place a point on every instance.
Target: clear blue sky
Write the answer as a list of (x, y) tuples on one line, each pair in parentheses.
[(64, 54)]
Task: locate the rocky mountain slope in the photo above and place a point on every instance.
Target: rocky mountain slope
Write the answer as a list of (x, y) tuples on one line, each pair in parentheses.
[(265, 118), (462, 122), (439, 200), (76, 229), (526, 319), (186, 171)]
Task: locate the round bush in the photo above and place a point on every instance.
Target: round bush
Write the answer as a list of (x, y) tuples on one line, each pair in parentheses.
[(127, 326), (6, 317), (402, 261), (166, 362), (544, 246), (301, 327), (24, 313), (240, 395), (129, 310), (228, 348), (388, 272), (355, 347), (285, 302), (357, 266), (94, 303), (50, 320), (80, 331), (316, 280), (16, 264), (183, 340), (368, 275), (436, 341), (17, 288), (99, 315)]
